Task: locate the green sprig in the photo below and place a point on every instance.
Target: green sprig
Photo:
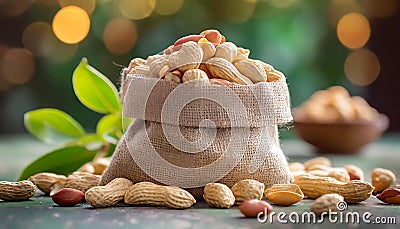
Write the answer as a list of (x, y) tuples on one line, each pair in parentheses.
[(96, 92)]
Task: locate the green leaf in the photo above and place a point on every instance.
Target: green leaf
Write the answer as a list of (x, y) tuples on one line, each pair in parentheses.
[(61, 161), (109, 124), (51, 125), (95, 90), (110, 127), (90, 142)]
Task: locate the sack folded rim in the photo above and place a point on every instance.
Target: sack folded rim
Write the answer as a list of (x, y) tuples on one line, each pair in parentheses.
[(257, 105)]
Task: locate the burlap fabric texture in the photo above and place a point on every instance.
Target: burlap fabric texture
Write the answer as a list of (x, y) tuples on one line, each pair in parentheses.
[(190, 135)]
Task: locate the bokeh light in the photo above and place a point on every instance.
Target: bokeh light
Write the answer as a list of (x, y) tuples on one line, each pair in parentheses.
[(168, 7), (362, 67), (14, 8), (136, 9), (71, 24), (381, 8), (35, 38), (87, 5), (17, 66), (338, 8), (119, 36), (353, 30)]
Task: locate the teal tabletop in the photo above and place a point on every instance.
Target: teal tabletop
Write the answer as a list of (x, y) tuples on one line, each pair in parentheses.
[(41, 212)]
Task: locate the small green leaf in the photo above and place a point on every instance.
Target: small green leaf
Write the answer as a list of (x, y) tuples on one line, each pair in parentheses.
[(89, 141), (61, 161), (110, 127), (95, 90), (51, 125), (109, 124)]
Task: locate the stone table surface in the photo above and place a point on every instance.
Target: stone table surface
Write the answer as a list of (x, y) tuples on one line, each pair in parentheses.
[(40, 212)]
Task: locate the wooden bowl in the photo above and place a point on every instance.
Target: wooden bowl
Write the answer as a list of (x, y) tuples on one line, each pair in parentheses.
[(341, 138)]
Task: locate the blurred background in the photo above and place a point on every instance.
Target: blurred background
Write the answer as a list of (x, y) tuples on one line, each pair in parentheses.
[(316, 44)]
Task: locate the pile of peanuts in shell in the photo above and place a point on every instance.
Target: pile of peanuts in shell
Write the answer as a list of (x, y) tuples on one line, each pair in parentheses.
[(314, 179), (335, 105), (205, 59), (208, 59)]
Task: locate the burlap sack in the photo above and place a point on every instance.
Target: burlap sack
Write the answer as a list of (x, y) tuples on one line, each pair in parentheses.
[(190, 135)]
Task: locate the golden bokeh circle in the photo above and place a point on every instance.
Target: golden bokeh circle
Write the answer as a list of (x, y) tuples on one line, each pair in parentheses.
[(71, 24), (136, 9), (17, 66), (35, 38), (119, 36), (362, 67), (353, 30), (168, 7)]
